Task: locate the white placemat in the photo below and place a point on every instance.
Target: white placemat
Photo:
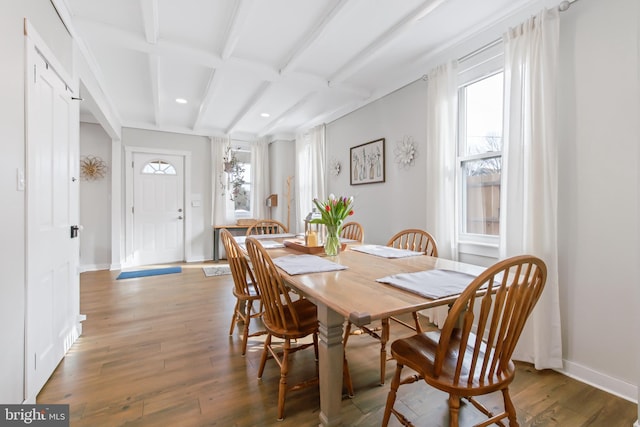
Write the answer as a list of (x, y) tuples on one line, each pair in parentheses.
[(303, 264), (431, 283), (385, 251)]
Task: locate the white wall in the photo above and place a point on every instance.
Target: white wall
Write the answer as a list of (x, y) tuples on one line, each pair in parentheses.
[(12, 215), (399, 202), (598, 224), (95, 202), (598, 209), (201, 237), (282, 165)]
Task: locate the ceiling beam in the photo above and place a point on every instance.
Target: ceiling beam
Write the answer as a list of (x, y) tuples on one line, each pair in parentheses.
[(150, 20), (369, 52), (259, 93), (154, 81), (234, 29), (306, 41), (206, 100)]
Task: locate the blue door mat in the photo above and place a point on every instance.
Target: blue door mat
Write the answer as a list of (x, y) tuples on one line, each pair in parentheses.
[(150, 272)]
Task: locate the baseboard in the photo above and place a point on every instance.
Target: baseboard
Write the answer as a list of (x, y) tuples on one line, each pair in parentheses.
[(606, 383), (93, 267), (199, 259)]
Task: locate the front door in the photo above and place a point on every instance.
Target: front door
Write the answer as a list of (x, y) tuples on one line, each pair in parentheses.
[(53, 305), (158, 208)]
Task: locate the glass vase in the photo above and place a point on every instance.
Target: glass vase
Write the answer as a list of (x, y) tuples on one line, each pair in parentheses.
[(332, 241)]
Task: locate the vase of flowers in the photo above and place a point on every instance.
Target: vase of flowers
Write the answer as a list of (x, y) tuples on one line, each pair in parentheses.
[(334, 211)]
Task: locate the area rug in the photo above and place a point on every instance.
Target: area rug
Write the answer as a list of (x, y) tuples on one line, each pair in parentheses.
[(149, 272), (218, 270)]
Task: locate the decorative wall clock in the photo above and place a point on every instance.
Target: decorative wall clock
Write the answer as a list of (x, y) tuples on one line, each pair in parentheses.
[(92, 168)]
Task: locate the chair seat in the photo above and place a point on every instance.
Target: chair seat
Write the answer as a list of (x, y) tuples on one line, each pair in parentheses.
[(418, 353), (307, 313)]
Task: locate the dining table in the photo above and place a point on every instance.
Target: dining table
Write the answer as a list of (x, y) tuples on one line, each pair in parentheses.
[(354, 290)]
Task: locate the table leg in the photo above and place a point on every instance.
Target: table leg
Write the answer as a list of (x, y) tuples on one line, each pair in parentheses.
[(330, 361), (216, 243)]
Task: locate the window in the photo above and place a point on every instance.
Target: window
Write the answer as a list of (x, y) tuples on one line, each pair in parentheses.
[(238, 170), (159, 167), (480, 124)]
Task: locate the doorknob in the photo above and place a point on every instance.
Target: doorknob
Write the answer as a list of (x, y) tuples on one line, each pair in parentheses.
[(180, 210), (180, 217)]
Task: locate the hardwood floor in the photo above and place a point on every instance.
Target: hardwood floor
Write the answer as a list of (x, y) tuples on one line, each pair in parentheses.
[(155, 351)]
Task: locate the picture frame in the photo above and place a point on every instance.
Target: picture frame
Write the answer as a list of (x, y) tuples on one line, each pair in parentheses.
[(367, 163)]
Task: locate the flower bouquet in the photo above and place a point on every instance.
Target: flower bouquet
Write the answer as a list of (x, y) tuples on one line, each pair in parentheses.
[(334, 211)]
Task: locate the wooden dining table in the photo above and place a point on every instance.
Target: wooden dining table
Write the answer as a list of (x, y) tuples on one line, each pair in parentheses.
[(354, 294)]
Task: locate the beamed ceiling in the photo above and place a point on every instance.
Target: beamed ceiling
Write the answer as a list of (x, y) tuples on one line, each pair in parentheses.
[(254, 68)]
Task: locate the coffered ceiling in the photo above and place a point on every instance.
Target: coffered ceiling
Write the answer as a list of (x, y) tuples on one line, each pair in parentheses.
[(263, 67)]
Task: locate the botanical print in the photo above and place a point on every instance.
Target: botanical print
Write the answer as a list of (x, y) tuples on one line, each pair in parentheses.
[(367, 162)]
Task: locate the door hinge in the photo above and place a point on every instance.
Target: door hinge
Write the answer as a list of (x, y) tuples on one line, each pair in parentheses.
[(131, 209)]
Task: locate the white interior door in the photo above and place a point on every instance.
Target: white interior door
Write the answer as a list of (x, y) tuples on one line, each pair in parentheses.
[(158, 208), (52, 209)]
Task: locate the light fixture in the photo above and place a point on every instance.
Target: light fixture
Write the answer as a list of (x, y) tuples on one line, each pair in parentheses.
[(265, 115), (181, 100)]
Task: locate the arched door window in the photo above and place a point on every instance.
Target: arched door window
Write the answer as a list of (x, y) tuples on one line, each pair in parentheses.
[(159, 167)]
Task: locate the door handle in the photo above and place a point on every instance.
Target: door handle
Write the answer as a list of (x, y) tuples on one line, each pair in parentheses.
[(180, 217)]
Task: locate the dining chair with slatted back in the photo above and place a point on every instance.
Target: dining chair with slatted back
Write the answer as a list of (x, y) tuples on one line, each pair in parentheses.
[(415, 240), (267, 226), (283, 318), (244, 288), (471, 355), (352, 231)]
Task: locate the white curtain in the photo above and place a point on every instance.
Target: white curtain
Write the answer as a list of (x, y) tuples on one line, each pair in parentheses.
[(222, 209), (529, 207), (260, 178), (310, 171), (442, 101)]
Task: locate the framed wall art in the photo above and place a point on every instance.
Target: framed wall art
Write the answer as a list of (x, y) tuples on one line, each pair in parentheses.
[(367, 162)]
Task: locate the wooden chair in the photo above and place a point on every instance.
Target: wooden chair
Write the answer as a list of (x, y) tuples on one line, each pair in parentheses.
[(471, 355), (415, 240), (283, 318), (244, 288), (267, 226), (353, 231)]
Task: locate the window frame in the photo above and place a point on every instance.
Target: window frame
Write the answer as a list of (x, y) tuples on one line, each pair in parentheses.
[(476, 67)]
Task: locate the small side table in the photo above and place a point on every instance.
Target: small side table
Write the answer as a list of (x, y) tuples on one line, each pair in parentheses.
[(216, 237)]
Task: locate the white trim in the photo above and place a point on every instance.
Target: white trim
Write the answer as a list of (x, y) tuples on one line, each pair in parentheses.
[(93, 267), (129, 151), (117, 234), (601, 381), (47, 54)]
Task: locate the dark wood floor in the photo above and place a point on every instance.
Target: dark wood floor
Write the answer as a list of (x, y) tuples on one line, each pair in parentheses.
[(156, 352)]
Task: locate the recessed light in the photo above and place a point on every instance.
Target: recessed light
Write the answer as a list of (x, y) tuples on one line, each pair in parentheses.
[(181, 100), (265, 115)]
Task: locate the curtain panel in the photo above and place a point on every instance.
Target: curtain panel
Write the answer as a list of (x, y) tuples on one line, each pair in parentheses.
[(529, 208), (310, 171), (260, 178)]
